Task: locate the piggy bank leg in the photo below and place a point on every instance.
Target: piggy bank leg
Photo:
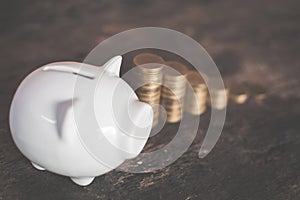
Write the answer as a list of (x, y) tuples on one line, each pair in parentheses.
[(37, 166), (83, 181)]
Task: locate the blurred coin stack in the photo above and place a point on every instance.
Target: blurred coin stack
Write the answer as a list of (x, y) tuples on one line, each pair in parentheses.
[(173, 90), (218, 96), (196, 94), (149, 75), (239, 93), (257, 91)]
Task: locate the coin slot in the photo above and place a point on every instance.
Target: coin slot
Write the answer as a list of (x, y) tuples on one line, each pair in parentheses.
[(70, 69)]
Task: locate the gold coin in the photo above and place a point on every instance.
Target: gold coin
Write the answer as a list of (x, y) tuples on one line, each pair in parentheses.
[(200, 88), (173, 118), (173, 108), (144, 90), (173, 90), (197, 110), (238, 93), (256, 90), (179, 70), (148, 94), (171, 101), (219, 98), (175, 85), (151, 86), (144, 58), (149, 75), (196, 97), (194, 78), (172, 95), (151, 102)]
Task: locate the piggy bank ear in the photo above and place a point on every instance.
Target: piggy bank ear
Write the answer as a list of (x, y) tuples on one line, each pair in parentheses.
[(113, 66)]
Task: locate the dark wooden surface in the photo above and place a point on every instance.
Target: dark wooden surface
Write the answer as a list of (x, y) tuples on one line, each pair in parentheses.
[(258, 154)]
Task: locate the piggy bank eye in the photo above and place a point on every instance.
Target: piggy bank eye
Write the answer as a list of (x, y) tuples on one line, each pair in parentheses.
[(69, 69)]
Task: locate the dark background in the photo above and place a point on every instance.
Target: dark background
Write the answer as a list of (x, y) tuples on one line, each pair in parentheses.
[(258, 154)]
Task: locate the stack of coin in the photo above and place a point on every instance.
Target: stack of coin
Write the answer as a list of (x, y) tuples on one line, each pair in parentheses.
[(173, 90), (218, 97), (196, 94), (149, 76)]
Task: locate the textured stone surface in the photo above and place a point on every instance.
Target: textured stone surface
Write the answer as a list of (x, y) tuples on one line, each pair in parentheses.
[(258, 154)]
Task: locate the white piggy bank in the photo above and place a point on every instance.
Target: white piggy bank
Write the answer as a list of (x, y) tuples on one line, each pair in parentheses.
[(78, 120)]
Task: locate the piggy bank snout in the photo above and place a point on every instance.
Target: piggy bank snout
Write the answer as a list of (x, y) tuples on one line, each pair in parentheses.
[(135, 130), (141, 114)]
